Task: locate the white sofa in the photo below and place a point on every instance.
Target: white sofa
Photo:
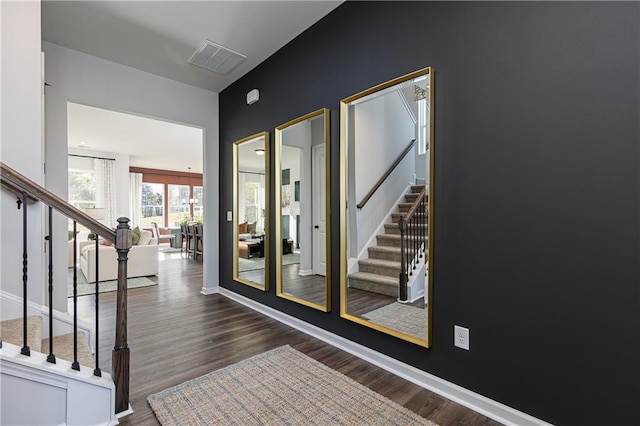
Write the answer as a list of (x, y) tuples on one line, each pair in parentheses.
[(82, 237), (142, 261)]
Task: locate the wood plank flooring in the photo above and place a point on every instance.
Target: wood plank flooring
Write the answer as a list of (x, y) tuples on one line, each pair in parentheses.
[(176, 334)]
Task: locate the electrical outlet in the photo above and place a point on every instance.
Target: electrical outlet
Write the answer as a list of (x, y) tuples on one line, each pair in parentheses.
[(461, 337), (229, 216)]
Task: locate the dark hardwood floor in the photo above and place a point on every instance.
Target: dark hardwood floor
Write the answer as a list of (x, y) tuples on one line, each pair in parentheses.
[(176, 334)]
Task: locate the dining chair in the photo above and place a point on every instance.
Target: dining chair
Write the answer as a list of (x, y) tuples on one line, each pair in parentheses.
[(191, 236), (184, 242), (156, 231), (197, 244)]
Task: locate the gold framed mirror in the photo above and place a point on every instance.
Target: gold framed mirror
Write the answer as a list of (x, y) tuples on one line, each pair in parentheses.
[(302, 234), (251, 210), (386, 207)]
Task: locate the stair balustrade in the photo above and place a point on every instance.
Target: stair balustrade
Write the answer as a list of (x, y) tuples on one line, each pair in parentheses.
[(413, 240), (29, 192)]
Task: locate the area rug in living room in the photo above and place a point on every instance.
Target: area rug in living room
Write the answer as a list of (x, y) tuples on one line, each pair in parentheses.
[(85, 288), (282, 386)]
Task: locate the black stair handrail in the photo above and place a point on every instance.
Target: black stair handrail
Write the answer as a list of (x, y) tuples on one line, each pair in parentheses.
[(29, 192), (386, 174), (413, 240)]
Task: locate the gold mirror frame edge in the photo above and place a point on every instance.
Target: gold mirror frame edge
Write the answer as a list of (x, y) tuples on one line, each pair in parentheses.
[(343, 208), (267, 150), (278, 201)]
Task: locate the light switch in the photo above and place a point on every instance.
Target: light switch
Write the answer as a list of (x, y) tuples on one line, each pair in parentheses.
[(229, 216)]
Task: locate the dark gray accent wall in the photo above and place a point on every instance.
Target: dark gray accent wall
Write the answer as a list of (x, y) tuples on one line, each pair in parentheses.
[(537, 140)]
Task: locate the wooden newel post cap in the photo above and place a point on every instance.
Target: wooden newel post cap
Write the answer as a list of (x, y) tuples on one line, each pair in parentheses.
[(123, 234)]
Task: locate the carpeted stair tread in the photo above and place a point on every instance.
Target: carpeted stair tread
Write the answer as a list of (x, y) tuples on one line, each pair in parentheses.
[(11, 332), (63, 349), (395, 217), (374, 283), (378, 279), (384, 267), (384, 249), (394, 229), (380, 262), (393, 240)]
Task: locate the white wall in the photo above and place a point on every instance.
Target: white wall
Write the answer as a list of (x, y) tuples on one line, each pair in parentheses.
[(21, 141), (89, 80), (382, 130)]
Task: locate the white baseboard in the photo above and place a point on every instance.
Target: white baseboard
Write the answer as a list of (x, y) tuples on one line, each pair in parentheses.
[(305, 272), (209, 290), (481, 404), (124, 413)]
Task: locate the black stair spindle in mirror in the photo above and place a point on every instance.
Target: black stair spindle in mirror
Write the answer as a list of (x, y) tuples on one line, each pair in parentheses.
[(403, 260), (75, 365), (423, 225), (414, 240), (25, 348), (96, 371), (51, 357)]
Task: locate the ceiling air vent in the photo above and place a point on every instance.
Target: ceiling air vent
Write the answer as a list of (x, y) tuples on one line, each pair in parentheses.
[(216, 58)]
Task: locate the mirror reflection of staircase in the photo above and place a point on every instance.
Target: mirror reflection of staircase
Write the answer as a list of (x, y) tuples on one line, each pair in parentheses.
[(379, 273)]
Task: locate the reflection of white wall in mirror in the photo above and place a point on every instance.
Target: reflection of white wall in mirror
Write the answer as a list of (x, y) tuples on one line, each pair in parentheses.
[(296, 149), (317, 131), (383, 128)]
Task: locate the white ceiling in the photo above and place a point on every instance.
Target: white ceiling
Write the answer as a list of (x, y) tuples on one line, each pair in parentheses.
[(159, 37), (149, 142)]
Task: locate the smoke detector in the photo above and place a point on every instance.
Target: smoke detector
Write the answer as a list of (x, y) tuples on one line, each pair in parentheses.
[(216, 58)]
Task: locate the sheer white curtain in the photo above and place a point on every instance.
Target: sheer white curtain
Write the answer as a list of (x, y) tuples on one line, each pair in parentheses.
[(106, 190), (135, 199)]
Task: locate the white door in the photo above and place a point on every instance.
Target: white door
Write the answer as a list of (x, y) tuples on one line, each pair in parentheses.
[(319, 185)]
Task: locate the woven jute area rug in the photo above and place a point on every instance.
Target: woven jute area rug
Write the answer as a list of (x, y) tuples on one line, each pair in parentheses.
[(279, 387)]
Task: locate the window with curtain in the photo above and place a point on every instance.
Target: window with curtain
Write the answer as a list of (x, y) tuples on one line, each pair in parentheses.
[(106, 190), (135, 199)]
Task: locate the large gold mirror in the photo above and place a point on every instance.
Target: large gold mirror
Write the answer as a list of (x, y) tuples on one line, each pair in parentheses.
[(251, 210), (302, 210), (386, 183)]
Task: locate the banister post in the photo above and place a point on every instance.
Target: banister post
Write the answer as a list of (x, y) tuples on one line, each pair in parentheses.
[(120, 354)]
